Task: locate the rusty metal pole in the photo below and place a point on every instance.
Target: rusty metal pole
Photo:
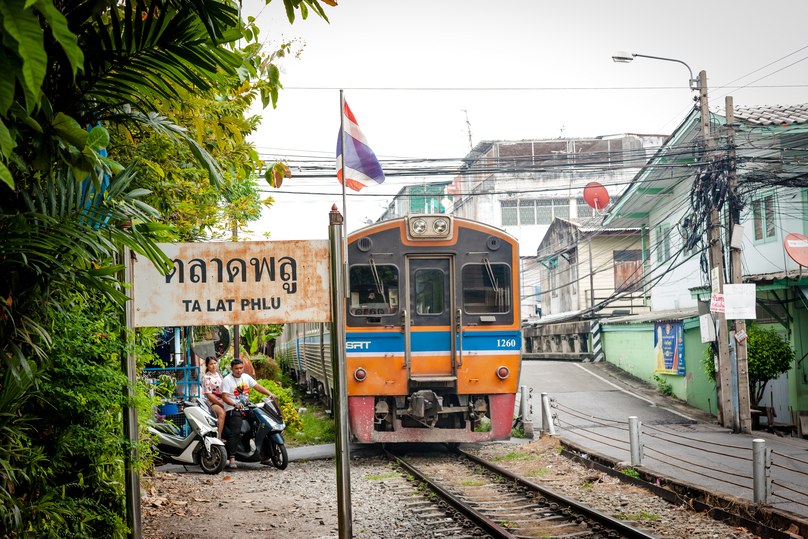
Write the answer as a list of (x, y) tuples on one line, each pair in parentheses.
[(130, 424), (340, 373)]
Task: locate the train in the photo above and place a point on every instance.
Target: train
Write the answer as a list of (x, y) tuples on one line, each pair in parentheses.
[(433, 334)]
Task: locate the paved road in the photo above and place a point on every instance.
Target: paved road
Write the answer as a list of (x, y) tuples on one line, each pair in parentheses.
[(593, 402)]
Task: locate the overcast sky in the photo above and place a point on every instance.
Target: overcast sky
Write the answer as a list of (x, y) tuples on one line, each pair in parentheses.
[(522, 69)]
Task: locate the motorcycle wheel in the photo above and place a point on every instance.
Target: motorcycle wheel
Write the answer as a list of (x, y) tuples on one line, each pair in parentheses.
[(214, 463), (279, 456)]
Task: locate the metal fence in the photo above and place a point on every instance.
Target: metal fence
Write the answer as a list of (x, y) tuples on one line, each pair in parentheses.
[(647, 442)]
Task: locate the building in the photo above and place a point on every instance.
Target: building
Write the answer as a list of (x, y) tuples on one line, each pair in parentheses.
[(521, 186), (430, 197), (772, 164), (586, 273)]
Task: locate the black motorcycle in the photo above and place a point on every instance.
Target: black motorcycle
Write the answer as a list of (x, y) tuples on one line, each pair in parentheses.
[(261, 438)]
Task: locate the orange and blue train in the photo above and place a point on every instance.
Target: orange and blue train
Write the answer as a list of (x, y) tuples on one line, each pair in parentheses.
[(433, 339)]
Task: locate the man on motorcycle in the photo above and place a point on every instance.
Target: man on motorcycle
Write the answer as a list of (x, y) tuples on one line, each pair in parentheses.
[(236, 395)]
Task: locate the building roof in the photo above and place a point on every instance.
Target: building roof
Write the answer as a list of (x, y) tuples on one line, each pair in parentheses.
[(772, 114), (797, 276), (671, 315)]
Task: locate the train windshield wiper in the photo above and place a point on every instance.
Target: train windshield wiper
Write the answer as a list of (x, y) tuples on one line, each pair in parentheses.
[(377, 280), (491, 275)]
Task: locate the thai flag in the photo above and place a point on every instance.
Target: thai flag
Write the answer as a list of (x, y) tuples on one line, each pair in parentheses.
[(362, 169)]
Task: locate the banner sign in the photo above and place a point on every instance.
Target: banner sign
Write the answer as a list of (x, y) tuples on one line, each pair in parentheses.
[(717, 304), (714, 286), (740, 301), (247, 282), (669, 347)]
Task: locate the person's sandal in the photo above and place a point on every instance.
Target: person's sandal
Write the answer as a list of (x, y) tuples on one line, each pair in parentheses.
[(232, 466)]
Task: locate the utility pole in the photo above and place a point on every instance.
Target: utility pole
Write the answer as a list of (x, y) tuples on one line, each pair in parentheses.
[(723, 372), (236, 330), (742, 366)]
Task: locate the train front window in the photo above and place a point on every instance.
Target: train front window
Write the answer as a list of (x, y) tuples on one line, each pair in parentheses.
[(429, 291), (374, 290), (486, 288)]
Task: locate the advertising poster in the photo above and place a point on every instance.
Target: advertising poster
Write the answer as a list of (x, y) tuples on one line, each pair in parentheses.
[(669, 347)]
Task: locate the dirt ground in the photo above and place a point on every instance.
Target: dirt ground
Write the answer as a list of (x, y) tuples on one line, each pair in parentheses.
[(245, 502)]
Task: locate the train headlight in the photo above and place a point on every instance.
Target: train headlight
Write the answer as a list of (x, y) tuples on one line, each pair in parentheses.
[(419, 227), (503, 372), (440, 226), (360, 374)]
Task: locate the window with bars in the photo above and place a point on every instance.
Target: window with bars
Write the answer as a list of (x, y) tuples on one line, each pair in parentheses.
[(534, 212), (763, 218), (509, 216), (584, 210)]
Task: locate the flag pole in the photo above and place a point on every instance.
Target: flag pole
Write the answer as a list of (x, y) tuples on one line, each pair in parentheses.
[(344, 199)]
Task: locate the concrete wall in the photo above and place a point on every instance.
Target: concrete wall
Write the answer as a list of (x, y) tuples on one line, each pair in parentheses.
[(631, 347)]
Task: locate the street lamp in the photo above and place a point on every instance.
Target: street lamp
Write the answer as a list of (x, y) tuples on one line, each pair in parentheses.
[(626, 57)]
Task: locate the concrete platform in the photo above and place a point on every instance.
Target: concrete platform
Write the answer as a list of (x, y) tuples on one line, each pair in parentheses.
[(688, 439)]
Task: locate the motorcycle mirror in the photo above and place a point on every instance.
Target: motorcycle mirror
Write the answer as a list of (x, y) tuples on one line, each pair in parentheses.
[(209, 341)]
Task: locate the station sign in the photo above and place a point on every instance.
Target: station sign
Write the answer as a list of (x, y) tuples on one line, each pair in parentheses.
[(247, 283)]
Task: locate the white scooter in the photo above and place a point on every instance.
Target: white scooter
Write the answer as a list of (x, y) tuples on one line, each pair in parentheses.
[(201, 447)]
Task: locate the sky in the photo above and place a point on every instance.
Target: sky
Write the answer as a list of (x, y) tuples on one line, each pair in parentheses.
[(520, 69)]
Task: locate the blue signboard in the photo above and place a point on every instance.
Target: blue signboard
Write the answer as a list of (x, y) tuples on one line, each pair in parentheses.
[(669, 347)]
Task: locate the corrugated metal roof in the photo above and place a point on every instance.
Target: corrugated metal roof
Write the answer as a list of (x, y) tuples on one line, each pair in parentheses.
[(762, 277), (653, 316), (773, 114)]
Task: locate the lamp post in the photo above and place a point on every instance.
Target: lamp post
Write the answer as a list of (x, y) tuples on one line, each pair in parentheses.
[(626, 57)]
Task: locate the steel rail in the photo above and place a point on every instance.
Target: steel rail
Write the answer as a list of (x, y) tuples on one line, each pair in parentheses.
[(630, 532), (485, 523)]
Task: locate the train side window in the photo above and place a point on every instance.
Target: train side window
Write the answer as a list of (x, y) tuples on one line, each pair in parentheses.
[(374, 290), (429, 291), (486, 288)]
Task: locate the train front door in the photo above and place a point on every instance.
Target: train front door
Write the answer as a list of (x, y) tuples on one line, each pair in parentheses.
[(429, 309)]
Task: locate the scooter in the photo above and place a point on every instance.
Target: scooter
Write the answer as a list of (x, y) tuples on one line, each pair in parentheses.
[(264, 433), (201, 447)]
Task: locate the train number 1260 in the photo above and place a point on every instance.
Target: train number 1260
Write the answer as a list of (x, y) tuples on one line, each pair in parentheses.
[(506, 343)]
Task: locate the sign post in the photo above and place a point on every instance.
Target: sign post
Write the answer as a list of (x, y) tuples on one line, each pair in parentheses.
[(340, 369)]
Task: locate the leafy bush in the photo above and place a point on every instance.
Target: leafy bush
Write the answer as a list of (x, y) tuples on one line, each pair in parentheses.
[(266, 367), (663, 385), (769, 356), (290, 416)]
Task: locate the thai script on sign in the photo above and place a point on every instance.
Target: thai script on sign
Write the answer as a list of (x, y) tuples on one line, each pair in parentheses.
[(236, 269)]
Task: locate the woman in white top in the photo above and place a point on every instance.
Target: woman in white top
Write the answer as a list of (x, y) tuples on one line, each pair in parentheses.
[(212, 385)]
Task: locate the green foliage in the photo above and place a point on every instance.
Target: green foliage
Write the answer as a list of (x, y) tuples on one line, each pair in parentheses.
[(317, 428), (515, 455), (472, 482), (663, 385), (68, 68), (165, 386), (517, 433), (66, 474), (266, 367), (290, 415), (484, 426), (538, 472), (381, 476), (631, 472), (769, 356)]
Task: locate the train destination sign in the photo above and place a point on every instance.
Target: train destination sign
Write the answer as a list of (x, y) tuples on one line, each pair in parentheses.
[(248, 282)]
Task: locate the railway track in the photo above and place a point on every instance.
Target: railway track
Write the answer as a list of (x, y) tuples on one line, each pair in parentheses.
[(466, 496)]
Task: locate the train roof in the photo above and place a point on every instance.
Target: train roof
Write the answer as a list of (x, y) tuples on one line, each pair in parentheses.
[(381, 225)]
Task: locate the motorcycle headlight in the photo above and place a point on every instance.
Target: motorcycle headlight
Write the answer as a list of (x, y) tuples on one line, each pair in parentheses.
[(211, 421)]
